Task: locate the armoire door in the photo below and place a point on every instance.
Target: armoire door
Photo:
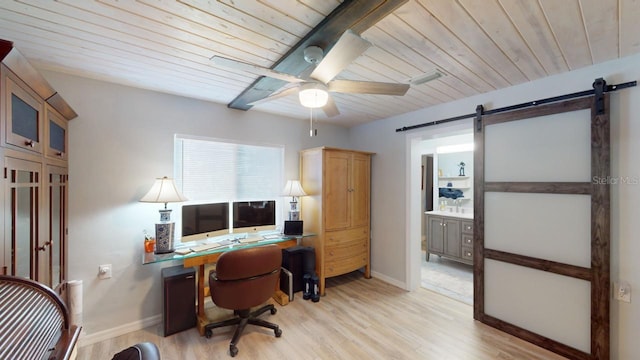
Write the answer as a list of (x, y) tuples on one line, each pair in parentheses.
[(336, 190), (360, 189), (53, 254), (22, 216)]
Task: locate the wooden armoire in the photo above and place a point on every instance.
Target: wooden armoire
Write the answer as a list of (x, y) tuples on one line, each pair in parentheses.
[(337, 209)]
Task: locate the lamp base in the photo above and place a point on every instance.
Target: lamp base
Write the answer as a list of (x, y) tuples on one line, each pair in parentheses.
[(164, 237), (165, 215), (294, 215)]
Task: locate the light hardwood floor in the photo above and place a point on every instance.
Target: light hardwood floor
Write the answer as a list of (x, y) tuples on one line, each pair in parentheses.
[(357, 319)]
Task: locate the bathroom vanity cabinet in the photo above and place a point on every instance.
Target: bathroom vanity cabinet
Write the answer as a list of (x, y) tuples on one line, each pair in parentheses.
[(450, 235)]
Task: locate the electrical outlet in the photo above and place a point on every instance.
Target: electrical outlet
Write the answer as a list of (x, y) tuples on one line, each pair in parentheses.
[(622, 291), (104, 271)]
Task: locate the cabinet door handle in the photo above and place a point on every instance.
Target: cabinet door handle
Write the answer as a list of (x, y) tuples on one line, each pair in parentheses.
[(44, 246), (29, 143)]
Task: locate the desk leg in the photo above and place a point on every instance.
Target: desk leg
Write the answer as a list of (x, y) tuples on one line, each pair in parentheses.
[(202, 320)]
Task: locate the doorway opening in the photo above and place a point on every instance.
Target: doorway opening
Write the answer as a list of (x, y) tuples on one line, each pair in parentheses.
[(446, 214)]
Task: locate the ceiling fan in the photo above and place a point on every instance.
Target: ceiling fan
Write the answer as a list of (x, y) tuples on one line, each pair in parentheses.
[(314, 83)]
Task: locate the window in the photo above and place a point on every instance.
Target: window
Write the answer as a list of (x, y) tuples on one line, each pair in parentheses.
[(212, 170)]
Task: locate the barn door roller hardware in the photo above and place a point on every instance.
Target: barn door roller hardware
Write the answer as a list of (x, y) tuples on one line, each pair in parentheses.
[(600, 87)]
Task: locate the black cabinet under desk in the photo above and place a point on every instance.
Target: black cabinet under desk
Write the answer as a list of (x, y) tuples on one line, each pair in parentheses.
[(178, 299)]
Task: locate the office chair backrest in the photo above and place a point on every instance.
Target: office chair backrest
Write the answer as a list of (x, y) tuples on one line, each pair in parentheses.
[(245, 278)]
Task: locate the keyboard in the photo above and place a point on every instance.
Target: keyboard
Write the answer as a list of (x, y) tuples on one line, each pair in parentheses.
[(203, 247), (251, 239), (272, 236)]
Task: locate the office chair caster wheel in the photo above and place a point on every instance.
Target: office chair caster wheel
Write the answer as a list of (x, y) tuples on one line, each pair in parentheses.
[(208, 333), (233, 350), (274, 311), (278, 332)]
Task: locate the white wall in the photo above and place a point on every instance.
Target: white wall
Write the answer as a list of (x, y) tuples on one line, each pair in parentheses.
[(122, 140), (448, 163), (396, 181)]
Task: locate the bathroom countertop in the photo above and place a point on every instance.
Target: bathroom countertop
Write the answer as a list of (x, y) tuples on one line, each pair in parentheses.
[(453, 213)]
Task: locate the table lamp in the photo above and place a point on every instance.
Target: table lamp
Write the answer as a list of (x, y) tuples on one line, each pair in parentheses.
[(164, 190), (293, 189)]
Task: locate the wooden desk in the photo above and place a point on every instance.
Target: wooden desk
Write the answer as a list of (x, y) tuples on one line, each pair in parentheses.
[(210, 257)]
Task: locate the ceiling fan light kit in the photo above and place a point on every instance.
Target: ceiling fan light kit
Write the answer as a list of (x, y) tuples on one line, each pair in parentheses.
[(313, 95)]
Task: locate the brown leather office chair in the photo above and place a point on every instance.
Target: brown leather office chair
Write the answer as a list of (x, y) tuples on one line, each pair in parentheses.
[(244, 279)]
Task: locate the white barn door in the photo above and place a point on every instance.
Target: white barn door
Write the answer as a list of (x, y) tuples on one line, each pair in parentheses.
[(541, 238)]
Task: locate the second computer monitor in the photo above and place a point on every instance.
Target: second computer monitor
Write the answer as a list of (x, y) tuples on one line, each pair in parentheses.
[(253, 216)]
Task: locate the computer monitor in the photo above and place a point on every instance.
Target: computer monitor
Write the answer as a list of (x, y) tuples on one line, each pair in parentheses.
[(201, 221), (253, 216)]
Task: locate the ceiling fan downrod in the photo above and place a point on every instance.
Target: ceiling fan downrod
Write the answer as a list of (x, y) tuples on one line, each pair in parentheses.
[(312, 132)]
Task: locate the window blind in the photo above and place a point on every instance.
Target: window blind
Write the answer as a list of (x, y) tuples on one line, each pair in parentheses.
[(220, 170)]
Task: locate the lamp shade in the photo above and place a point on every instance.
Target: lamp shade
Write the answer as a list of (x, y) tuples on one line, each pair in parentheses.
[(293, 188), (164, 190), (313, 95)]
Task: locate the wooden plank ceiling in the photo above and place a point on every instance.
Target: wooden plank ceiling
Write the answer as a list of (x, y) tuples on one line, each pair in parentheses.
[(165, 45)]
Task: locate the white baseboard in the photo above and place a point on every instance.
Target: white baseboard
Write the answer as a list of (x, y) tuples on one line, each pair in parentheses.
[(389, 280), (89, 339)]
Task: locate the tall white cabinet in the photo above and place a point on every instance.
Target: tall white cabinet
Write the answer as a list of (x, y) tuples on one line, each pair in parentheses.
[(34, 181)]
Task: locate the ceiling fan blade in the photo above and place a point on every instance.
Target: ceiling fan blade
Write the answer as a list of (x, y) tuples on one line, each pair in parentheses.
[(367, 87), (330, 109), (306, 73), (253, 69), (280, 94), (347, 48)]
